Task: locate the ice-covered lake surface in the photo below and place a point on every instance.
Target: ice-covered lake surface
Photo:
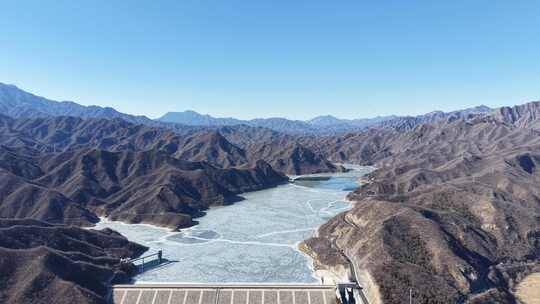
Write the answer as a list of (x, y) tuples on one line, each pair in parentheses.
[(254, 240)]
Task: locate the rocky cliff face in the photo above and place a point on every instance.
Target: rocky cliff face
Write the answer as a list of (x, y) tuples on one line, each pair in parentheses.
[(453, 212), (523, 116)]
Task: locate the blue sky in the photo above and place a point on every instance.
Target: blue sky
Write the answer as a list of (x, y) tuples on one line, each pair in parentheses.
[(296, 59)]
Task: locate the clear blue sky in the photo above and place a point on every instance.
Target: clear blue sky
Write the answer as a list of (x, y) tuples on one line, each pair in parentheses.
[(296, 59)]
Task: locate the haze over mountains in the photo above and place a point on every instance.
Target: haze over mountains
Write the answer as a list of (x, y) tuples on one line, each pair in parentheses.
[(321, 125), (452, 210), (18, 103), (107, 128)]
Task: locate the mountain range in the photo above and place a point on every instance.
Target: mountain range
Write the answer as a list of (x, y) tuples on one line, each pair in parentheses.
[(321, 125), (452, 210), (18, 103), (152, 187)]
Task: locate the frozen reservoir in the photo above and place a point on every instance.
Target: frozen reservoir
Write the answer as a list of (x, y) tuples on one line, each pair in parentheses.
[(254, 240)]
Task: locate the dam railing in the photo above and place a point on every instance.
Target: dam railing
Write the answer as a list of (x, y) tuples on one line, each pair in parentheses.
[(150, 260), (240, 293)]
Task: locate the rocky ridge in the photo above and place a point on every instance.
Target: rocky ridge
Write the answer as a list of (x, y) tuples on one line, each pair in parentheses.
[(46, 263), (18, 103), (63, 133), (151, 186), (452, 212)]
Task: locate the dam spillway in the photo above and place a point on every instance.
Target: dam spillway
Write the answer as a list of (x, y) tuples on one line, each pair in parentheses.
[(224, 294)]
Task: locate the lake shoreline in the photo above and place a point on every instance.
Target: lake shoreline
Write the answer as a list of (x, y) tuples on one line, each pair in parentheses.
[(280, 235)]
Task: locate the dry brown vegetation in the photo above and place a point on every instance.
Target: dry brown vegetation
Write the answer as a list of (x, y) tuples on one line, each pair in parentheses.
[(452, 212)]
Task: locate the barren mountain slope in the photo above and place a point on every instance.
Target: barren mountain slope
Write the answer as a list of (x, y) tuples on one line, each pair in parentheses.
[(292, 157), (150, 186), (523, 116), (380, 143), (44, 263), (453, 212), (56, 134)]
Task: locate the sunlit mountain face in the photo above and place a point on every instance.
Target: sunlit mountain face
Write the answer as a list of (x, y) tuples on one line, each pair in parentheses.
[(397, 199)]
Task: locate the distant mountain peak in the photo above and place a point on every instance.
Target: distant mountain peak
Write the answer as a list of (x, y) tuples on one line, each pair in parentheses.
[(325, 117), (190, 117), (323, 120), (9, 85), (16, 102), (483, 107)]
